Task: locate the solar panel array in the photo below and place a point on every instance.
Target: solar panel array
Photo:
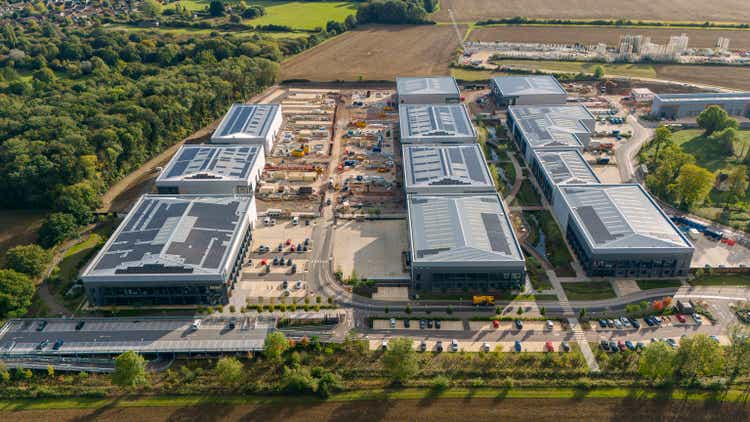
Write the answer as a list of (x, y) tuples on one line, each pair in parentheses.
[(173, 235), (566, 167), (252, 120), (433, 120), (552, 125), (453, 165), (218, 162), (528, 85)]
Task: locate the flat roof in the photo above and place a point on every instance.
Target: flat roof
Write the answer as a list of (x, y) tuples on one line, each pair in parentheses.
[(461, 228), (511, 86), (427, 85), (621, 216), (173, 235), (449, 165), (247, 121), (435, 120), (551, 125), (704, 96), (566, 166), (212, 162)]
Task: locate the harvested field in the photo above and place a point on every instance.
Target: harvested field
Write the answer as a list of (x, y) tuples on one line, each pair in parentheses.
[(378, 52), (428, 409), (740, 39), (725, 76), (649, 10)]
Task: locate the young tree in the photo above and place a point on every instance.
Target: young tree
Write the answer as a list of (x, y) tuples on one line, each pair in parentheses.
[(713, 119), (738, 358), (16, 291), (56, 228), (130, 370), (662, 137), (738, 182), (229, 371), (693, 185), (151, 8), (274, 346), (216, 8), (28, 259), (400, 360), (599, 72), (699, 356), (657, 361)]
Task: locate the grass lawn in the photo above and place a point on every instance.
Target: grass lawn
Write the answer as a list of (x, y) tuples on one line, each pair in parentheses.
[(538, 277), (473, 75), (303, 15), (657, 284), (722, 280), (527, 195), (593, 290), (630, 70), (191, 5), (708, 154), (555, 248)]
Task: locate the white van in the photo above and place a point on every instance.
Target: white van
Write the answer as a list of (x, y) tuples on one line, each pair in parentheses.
[(196, 324), (295, 220)]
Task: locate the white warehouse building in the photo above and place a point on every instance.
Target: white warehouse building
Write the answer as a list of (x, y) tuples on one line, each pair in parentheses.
[(439, 169), (427, 124), (255, 124), (527, 90), (213, 169), (427, 90), (550, 126), (676, 106)]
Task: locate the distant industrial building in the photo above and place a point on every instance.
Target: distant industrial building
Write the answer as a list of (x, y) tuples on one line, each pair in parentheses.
[(677, 106), (527, 90), (255, 124), (173, 250), (435, 124), (427, 90), (213, 169), (619, 231), (553, 168), (463, 242), (438, 169), (550, 126)]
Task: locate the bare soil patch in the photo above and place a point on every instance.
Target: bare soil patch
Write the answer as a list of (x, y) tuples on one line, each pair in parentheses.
[(18, 227), (377, 52), (609, 35), (650, 10), (725, 76)]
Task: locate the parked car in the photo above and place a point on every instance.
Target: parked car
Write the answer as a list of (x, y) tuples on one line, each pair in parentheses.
[(285, 284), (58, 344), (519, 324), (621, 345), (41, 325), (550, 325), (437, 323), (618, 324), (80, 325), (629, 344), (454, 345), (485, 347), (625, 322), (407, 323), (649, 321), (640, 345), (517, 346), (603, 323), (672, 342), (548, 347), (232, 324), (384, 345), (613, 346), (698, 319), (429, 323), (423, 346), (496, 323), (714, 338), (565, 346), (610, 323), (42, 344), (196, 324), (439, 346), (604, 344), (421, 324), (275, 260), (635, 323)]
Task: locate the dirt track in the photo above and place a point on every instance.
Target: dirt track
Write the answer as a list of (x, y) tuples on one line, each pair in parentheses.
[(652, 10), (413, 410)]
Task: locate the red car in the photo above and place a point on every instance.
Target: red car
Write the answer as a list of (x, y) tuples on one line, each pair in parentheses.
[(681, 318), (549, 347), (621, 345), (496, 323), (288, 242)]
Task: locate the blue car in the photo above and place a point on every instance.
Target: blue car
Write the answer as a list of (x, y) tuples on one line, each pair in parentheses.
[(635, 323), (649, 321), (603, 323), (518, 346), (629, 344)]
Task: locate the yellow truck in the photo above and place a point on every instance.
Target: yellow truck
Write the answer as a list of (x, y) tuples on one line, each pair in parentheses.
[(484, 300)]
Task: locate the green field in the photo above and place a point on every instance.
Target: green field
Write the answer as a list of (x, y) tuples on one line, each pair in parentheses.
[(708, 154), (627, 70), (303, 15), (473, 75), (594, 290), (201, 31), (722, 280)]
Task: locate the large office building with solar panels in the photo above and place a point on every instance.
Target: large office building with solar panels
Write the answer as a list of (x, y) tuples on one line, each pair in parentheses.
[(527, 90), (558, 167), (173, 250), (254, 124), (435, 124), (619, 231), (463, 242), (427, 90), (213, 169), (440, 169), (550, 126)]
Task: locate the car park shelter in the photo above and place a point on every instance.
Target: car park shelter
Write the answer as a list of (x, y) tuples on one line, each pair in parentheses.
[(676, 106), (435, 124), (213, 169), (427, 90), (527, 90), (173, 250), (256, 124), (463, 242), (619, 231), (550, 126), (437, 169), (553, 167)]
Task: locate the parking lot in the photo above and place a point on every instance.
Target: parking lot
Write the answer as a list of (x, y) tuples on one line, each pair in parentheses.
[(373, 248), (718, 254), (274, 246)]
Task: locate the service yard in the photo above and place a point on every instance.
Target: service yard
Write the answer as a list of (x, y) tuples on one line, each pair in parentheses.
[(372, 53), (649, 10), (373, 248)]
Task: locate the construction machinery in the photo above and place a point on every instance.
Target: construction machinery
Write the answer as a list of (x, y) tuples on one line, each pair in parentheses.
[(484, 300)]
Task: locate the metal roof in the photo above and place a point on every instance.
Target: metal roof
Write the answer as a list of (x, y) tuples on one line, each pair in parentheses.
[(704, 97), (511, 86), (621, 216), (461, 228), (212, 162), (566, 166), (173, 235), (435, 120), (247, 121), (552, 125), (451, 165), (427, 85)]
